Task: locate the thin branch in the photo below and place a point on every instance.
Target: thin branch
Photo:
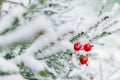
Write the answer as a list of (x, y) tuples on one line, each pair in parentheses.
[(67, 75), (98, 23), (16, 3), (104, 2), (101, 10), (103, 35), (115, 31), (113, 73), (110, 25)]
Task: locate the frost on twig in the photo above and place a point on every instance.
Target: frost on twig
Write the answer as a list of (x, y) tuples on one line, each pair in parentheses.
[(38, 39)]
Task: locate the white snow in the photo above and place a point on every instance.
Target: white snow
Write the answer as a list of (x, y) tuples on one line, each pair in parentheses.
[(7, 20), (12, 77), (115, 8), (32, 30), (43, 32), (8, 66), (104, 2)]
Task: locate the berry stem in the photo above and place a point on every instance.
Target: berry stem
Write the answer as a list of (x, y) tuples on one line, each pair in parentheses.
[(86, 64)]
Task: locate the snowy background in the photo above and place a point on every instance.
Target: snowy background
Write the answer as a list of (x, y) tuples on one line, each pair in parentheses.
[(45, 31)]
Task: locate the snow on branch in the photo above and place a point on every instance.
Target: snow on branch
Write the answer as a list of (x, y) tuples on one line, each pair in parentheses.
[(7, 20), (12, 77), (32, 30), (8, 66), (52, 43)]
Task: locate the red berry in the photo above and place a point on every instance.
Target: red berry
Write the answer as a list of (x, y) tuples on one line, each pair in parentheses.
[(87, 47), (84, 60), (77, 46)]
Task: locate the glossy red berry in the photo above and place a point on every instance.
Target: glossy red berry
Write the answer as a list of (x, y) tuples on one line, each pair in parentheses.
[(77, 46), (84, 60), (87, 47)]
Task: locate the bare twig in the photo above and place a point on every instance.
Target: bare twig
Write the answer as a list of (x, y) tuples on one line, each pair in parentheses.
[(16, 3)]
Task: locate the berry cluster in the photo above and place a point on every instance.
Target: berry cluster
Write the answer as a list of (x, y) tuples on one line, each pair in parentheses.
[(86, 47)]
